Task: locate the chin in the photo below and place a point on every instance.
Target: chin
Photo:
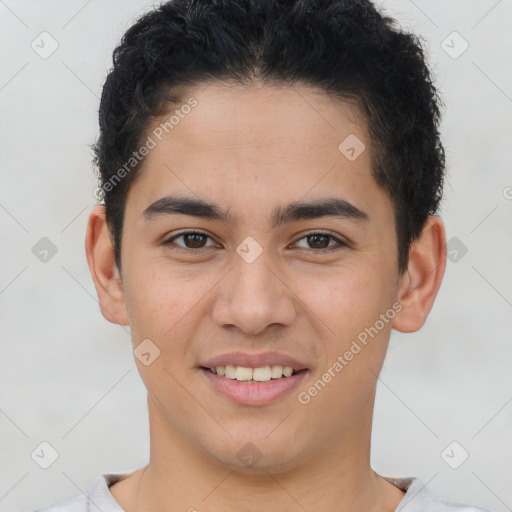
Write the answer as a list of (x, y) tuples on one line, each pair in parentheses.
[(257, 456)]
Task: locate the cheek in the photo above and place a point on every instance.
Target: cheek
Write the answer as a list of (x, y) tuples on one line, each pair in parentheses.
[(154, 304), (157, 309), (345, 300), (349, 304), (166, 305)]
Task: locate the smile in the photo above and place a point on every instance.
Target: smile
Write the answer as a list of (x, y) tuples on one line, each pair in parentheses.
[(241, 384), (252, 375)]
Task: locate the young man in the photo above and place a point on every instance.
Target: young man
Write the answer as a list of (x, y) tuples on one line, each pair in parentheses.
[(271, 173)]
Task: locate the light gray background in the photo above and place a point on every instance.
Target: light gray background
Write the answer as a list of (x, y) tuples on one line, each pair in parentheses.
[(67, 376)]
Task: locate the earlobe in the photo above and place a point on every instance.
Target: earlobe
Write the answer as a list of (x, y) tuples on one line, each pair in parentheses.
[(420, 283), (104, 271)]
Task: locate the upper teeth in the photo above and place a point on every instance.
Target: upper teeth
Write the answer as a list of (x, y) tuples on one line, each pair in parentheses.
[(260, 374)]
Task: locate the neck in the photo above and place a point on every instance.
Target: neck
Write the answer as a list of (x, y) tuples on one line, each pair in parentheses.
[(338, 478)]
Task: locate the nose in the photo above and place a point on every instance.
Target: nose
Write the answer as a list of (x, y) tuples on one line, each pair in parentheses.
[(254, 296)]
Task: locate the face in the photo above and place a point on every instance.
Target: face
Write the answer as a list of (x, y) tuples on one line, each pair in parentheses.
[(260, 283)]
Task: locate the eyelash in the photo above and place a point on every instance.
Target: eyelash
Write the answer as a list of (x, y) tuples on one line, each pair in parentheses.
[(341, 244)]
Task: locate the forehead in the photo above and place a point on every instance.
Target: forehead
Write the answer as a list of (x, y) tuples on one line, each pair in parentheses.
[(277, 116), (270, 143)]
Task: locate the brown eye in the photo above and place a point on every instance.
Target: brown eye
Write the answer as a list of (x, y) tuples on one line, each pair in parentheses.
[(194, 240), (318, 241), (321, 242), (191, 240)]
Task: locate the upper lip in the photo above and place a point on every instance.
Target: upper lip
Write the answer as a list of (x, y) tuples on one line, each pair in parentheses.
[(257, 360)]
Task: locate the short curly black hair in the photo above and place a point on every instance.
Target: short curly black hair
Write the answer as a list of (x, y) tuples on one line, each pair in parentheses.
[(347, 48)]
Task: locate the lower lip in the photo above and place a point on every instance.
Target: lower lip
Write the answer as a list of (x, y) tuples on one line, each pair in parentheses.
[(255, 393)]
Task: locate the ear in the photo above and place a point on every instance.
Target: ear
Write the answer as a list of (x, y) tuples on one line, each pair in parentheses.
[(419, 284), (104, 271)]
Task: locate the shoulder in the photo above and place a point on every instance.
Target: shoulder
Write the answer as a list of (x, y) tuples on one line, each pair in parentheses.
[(76, 504), (418, 498), (97, 497)]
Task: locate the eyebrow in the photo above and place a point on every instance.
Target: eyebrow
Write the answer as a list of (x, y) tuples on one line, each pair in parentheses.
[(293, 212)]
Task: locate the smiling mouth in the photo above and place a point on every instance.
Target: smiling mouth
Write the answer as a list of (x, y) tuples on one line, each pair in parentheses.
[(253, 375)]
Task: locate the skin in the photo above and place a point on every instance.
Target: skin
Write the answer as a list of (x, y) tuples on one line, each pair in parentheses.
[(251, 149)]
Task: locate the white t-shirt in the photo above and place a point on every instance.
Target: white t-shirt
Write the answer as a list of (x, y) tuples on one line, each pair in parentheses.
[(417, 498)]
